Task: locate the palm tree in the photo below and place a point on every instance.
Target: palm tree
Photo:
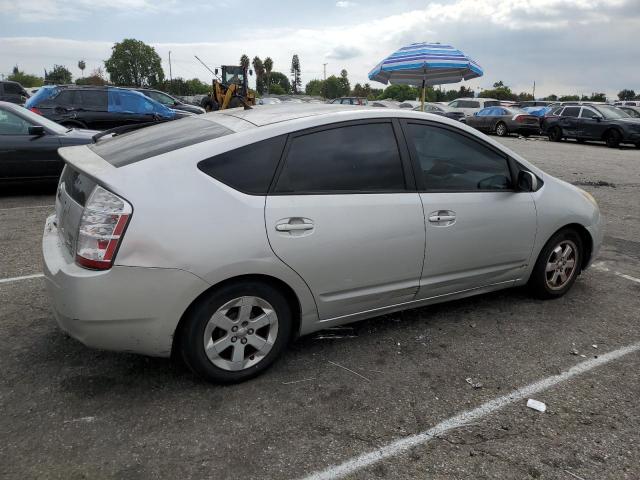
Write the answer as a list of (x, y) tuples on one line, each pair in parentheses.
[(82, 66), (258, 67), (268, 66), (244, 62)]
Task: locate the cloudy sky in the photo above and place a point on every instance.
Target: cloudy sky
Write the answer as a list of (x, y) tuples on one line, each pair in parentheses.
[(565, 46)]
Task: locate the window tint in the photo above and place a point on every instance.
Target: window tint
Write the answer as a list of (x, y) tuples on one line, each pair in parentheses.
[(356, 158), (491, 103), (13, 88), (65, 97), (156, 140), (248, 169), (454, 104), (12, 124), (571, 112), (453, 162), (588, 113), (468, 104), (92, 99)]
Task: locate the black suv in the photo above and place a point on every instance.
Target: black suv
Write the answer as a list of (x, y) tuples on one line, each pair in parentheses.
[(169, 101), (98, 108), (593, 122), (12, 92)]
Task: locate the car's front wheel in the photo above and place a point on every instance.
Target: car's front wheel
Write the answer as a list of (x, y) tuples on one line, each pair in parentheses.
[(236, 332), (613, 138), (558, 265)]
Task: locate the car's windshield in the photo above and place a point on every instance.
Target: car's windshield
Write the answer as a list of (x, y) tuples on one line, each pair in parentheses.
[(163, 98), (612, 113), (36, 119)]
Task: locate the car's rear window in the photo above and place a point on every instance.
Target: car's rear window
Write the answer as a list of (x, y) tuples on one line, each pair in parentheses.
[(157, 139)]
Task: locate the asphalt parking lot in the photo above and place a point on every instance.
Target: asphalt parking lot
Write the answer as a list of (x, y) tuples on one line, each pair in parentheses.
[(70, 412)]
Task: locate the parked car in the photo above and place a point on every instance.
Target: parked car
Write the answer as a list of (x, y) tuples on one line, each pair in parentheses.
[(169, 101), (594, 122), (384, 104), (12, 92), (633, 112), (442, 110), (98, 108), (413, 104), (469, 106), (532, 103), (505, 120), (627, 103), (349, 101), (29, 144), (334, 221)]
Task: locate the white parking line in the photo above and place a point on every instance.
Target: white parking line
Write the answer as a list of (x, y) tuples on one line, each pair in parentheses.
[(603, 268), (25, 277), (26, 208), (464, 418)]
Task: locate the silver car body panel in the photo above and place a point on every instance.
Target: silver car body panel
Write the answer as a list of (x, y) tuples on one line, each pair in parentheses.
[(190, 230)]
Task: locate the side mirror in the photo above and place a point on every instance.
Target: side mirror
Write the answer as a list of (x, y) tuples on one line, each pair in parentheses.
[(527, 181), (595, 117), (36, 130)]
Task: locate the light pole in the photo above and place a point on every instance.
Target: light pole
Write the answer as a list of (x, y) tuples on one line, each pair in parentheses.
[(324, 68), (170, 76)]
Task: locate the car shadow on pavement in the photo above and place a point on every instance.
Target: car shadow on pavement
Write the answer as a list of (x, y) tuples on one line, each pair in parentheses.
[(35, 188)]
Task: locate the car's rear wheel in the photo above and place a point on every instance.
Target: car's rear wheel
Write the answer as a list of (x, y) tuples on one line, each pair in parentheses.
[(558, 265), (501, 129), (613, 138), (555, 134), (236, 332), (580, 140)]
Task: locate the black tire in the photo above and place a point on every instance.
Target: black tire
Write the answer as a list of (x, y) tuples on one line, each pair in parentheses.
[(526, 135), (501, 129), (209, 104), (555, 134), (638, 145), (580, 140), (613, 138), (538, 281), (235, 102), (191, 336)]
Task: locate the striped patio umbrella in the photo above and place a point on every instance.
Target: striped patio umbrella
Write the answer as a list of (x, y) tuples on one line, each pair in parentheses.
[(426, 64)]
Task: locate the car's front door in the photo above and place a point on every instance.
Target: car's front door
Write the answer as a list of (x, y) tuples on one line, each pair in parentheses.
[(344, 214), (590, 127), (26, 156), (480, 231)]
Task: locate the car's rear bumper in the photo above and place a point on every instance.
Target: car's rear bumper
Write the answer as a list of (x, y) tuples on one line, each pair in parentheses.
[(526, 129), (132, 309)]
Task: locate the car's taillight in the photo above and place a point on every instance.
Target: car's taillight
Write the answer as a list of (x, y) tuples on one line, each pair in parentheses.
[(519, 118), (35, 110), (103, 222)]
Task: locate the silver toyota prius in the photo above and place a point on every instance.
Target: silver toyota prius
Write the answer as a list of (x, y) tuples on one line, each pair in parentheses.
[(222, 237)]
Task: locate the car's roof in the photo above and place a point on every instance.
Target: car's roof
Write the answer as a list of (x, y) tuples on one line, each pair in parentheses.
[(282, 112)]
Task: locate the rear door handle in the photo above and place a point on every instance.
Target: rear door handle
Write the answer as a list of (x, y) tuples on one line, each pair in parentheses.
[(442, 218), (293, 227)]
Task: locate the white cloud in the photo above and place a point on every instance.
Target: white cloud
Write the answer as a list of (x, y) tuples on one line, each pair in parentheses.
[(345, 4), (566, 46)]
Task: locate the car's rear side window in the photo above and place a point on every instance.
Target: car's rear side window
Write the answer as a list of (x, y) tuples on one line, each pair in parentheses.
[(77, 185), (248, 169), (157, 139), (350, 159)]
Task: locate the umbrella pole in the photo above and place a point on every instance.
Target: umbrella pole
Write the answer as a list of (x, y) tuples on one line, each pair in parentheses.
[(422, 98)]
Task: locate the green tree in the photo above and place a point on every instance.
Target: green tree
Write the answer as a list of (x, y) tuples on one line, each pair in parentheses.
[(314, 88), (500, 91), (569, 98), (400, 93), (597, 97), (82, 66), (551, 98), (277, 78), (276, 89), (344, 83), (626, 94), (244, 62), (133, 62), (25, 79), (524, 96), (268, 66), (59, 75), (258, 67), (295, 71), (332, 87)]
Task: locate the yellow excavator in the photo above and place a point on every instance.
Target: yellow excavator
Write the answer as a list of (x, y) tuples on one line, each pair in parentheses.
[(231, 91)]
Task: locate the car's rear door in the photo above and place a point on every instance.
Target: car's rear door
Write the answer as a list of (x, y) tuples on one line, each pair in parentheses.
[(480, 231), (568, 121), (92, 108), (344, 214)]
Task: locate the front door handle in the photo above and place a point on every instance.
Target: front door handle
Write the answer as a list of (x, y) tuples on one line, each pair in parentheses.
[(293, 227), (442, 218)]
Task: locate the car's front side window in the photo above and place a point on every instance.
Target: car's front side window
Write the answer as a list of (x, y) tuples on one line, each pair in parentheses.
[(361, 158), (12, 124), (588, 113), (452, 162)]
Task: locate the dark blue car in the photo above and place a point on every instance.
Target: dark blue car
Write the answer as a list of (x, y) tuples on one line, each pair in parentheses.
[(98, 108)]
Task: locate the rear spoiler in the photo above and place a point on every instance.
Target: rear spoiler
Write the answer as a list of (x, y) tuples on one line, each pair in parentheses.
[(85, 160), (124, 129)]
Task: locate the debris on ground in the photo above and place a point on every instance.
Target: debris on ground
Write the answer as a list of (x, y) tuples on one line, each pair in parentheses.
[(599, 183), (594, 346), (336, 333), (574, 475), (536, 405), (298, 381), (348, 370), (475, 385)]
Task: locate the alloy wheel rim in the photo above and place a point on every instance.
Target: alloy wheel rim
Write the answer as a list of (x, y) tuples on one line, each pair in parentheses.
[(561, 265), (240, 333), (501, 130)]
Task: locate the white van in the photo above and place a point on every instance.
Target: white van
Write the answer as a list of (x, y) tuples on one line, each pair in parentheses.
[(469, 106)]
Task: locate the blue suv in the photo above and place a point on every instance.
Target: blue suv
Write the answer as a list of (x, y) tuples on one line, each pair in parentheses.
[(98, 108)]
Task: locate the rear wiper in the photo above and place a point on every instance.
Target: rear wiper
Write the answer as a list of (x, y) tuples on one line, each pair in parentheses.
[(123, 129)]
